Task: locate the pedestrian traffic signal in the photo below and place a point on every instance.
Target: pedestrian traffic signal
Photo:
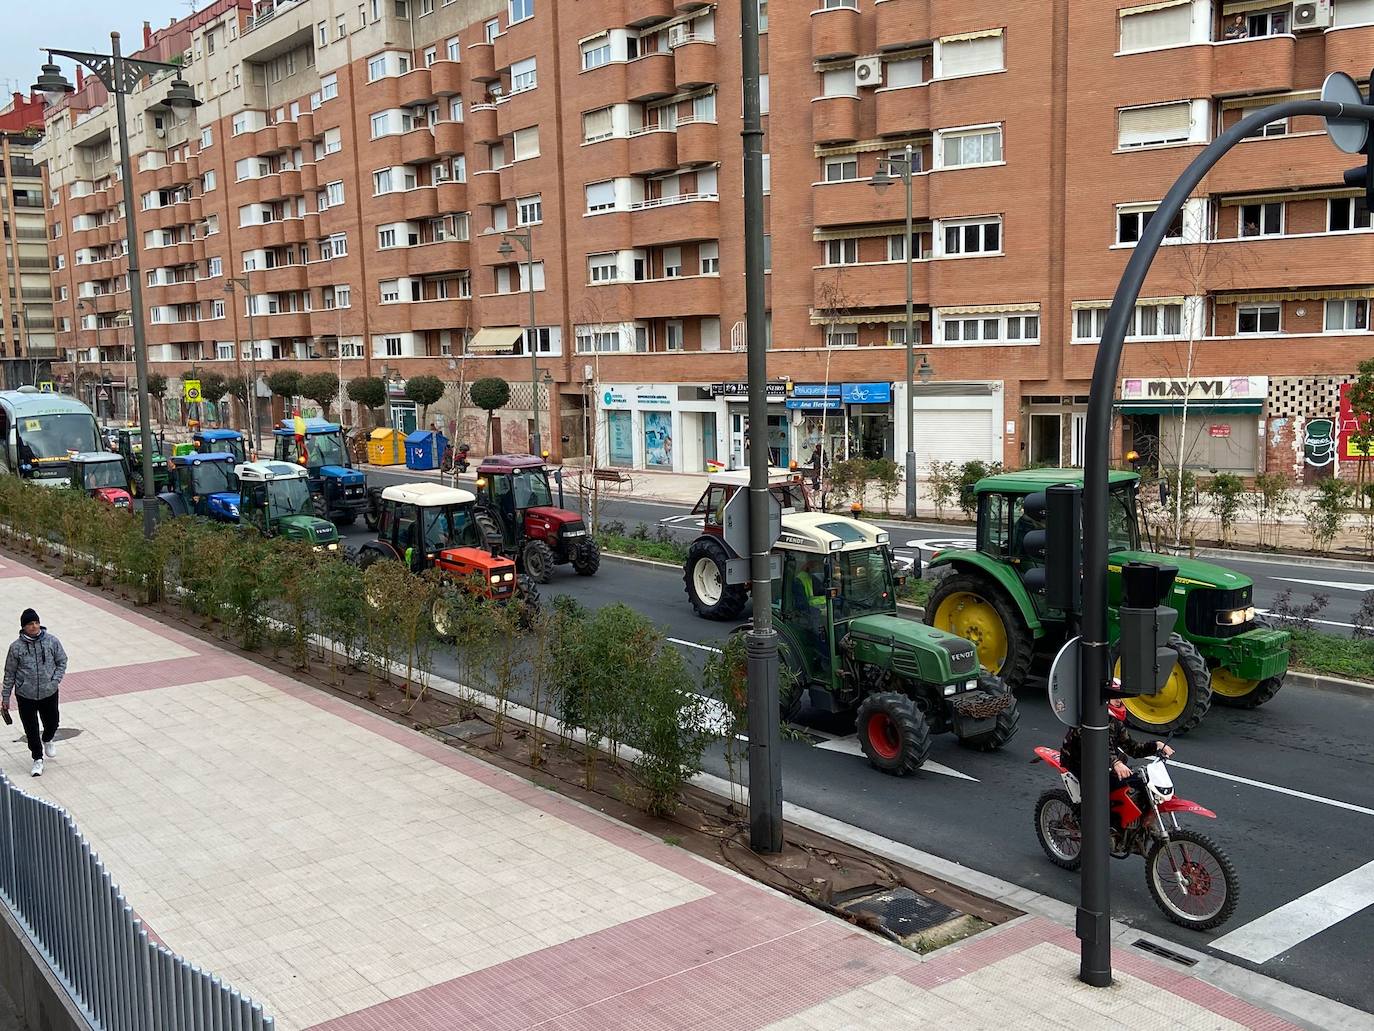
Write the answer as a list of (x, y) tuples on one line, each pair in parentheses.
[(1147, 660), (1054, 545)]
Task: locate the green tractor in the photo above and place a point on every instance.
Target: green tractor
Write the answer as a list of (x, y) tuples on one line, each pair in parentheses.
[(994, 596), (842, 644), (274, 499), (129, 446)]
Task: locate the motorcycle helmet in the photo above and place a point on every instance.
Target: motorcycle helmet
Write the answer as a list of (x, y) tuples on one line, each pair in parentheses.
[(1116, 708)]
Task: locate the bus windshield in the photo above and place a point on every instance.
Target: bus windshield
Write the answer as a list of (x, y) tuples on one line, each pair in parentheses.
[(287, 498), (45, 438), (214, 478)]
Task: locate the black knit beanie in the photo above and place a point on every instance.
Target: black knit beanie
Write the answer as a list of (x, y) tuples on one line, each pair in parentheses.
[(29, 616)]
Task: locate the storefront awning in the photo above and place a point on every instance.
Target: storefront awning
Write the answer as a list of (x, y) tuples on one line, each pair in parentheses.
[(864, 146), (1289, 195), (1103, 305), (998, 309), (1355, 293), (1210, 406), (866, 318), (869, 231), (494, 340)]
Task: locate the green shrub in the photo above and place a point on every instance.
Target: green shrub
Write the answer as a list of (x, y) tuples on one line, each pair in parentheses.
[(1226, 493), (1326, 512)]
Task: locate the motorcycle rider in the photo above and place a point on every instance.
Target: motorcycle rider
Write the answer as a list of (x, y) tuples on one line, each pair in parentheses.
[(1120, 746)]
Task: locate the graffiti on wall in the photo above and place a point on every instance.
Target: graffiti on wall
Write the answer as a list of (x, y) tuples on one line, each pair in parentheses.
[(1319, 443)]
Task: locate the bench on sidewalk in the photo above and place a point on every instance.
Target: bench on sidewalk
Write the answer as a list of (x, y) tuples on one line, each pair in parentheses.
[(614, 478)]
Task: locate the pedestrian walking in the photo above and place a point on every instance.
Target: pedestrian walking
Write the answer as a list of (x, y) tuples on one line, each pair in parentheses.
[(34, 669)]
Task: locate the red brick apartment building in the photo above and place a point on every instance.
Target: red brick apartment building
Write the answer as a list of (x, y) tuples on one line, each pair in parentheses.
[(362, 162)]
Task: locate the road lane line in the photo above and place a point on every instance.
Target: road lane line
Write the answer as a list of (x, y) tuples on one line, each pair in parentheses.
[(1280, 929), (1339, 585), (1274, 787), (1323, 622), (693, 644), (850, 746)]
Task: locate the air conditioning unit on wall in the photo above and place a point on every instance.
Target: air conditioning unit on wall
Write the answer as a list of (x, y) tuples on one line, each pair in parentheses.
[(868, 71), (1312, 14)]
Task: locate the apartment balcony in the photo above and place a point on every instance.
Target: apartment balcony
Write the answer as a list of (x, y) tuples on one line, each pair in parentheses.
[(835, 119), (698, 143), (451, 197), (1347, 50), (448, 139), (485, 248), (162, 178), (481, 123), (290, 182), (381, 93), (442, 256), (674, 221), (448, 313), (484, 187), (446, 78), (180, 173), (607, 81), (421, 202), (194, 208), (310, 177), (901, 23), (514, 113), (673, 298), (322, 273), (652, 151), (1288, 263), (281, 279), (108, 304), (180, 254), (305, 126), (1288, 162), (415, 87), (650, 77), (286, 324), (856, 203), (266, 140), (481, 64), (268, 188), (198, 248), (294, 231), (174, 293), (1259, 65), (639, 13), (695, 63), (880, 284), (900, 111), (417, 146), (835, 32), (520, 178)]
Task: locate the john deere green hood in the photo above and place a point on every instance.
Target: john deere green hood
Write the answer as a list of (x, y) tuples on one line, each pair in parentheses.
[(1191, 572), (913, 649)]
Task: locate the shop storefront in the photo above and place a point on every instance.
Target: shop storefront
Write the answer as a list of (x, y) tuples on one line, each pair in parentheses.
[(956, 422), (848, 420), (668, 427), (735, 400), (1211, 423)]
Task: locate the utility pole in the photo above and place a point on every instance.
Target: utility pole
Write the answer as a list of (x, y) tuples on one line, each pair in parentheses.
[(526, 240), (761, 643)]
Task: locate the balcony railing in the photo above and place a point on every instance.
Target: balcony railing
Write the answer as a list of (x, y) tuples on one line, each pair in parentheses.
[(681, 198)]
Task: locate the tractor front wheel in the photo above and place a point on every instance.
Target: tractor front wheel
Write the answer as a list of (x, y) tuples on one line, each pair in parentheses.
[(587, 560), (972, 608), (1004, 728), (1184, 699), (527, 598), (319, 506), (704, 575), (1229, 689), (536, 558), (892, 734)]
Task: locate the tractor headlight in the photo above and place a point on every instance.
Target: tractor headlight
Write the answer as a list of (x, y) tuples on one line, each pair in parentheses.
[(969, 685), (496, 579), (508, 577), (1236, 617), (883, 538), (836, 545), (334, 546), (950, 689)]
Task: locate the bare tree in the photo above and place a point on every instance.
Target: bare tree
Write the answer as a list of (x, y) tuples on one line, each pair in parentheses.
[(833, 305), (597, 308)]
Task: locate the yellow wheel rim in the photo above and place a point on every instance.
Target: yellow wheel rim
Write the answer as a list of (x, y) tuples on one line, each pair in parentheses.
[(971, 617), (1227, 684), (1161, 709)]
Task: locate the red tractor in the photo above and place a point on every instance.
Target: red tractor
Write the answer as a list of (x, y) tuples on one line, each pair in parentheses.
[(516, 511), (708, 589), (101, 475)]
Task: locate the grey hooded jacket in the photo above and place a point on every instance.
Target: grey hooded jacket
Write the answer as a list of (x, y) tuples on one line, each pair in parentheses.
[(35, 666)]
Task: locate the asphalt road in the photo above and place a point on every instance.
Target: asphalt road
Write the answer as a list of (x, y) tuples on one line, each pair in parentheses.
[(1292, 784)]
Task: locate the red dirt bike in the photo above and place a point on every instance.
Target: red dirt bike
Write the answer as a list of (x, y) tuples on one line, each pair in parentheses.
[(1189, 877)]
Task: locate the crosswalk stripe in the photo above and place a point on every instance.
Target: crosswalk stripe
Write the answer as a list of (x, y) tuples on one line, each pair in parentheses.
[(1280, 929)]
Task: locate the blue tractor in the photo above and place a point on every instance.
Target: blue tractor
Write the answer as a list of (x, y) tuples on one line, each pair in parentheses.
[(220, 441), (338, 492), (204, 485)]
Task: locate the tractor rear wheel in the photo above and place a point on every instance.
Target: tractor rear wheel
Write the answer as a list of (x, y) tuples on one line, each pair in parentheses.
[(979, 611), (492, 538), (704, 575), (588, 558), (1184, 699), (892, 734), (319, 506), (536, 559), (1004, 729), (527, 598)]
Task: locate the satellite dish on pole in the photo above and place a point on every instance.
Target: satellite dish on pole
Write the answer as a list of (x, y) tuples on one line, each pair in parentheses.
[(1348, 134)]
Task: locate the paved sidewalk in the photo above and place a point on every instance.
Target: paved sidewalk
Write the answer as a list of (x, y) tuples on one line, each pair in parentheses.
[(357, 876)]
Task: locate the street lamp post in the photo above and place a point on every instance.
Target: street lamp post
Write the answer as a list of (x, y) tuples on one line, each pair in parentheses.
[(526, 240), (119, 75), (882, 179), (242, 282)]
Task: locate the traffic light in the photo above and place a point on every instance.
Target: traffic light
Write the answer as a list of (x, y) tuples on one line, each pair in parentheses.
[(1146, 623), (1059, 545)]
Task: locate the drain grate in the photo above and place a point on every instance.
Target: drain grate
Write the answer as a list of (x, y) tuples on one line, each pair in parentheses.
[(1155, 949), (467, 730), (900, 910)]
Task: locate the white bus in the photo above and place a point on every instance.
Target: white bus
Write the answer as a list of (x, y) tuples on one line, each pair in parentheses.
[(41, 432)]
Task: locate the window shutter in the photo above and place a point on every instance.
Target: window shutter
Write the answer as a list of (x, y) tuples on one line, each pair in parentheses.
[(599, 194), (596, 124), (1165, 27), (971, 56), (1354, 12), (903, 73), (1161, 124), (839, 82), (526, 143)]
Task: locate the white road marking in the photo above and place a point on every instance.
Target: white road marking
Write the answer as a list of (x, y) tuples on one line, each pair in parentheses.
[(693, 644), (1323, 622), (1280, 929), (1336, 802), (1335, 585), (850, 746), (943, 544)]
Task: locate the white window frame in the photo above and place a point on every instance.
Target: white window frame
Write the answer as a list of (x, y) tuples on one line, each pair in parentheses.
[(1141, 214), (841, 252), (838, 165), (1262, 225), (961, 251), (524, 75), (1352, 205), (944, 137), (603, 268), (1259, 311), (535, 205), (1353, 310), (518, 11)]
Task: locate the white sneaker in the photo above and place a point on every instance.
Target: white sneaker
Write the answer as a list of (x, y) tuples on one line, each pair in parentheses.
[(50, 749), (37, 770)]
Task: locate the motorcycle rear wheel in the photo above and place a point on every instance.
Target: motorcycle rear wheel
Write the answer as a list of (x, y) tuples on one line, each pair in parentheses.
[(1192, 880), (1058, 829)]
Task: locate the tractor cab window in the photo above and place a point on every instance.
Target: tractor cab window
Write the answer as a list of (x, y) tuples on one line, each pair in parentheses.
[(444, 528), (792, 497), (1123, 532), (258, 502), (711, 506), (385, 523), (103, 474), (288, 497), (184, 479), (865, 582), (994, 525), (1023, 523), (405, 528), (286, 450), (531, 488), (325, 449), (213, 478)]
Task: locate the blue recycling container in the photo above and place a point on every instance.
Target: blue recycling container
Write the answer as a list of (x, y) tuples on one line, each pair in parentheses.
[(425, 449)]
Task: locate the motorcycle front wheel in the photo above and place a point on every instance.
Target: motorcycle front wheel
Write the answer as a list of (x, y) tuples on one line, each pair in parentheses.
[(1192, 880)]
